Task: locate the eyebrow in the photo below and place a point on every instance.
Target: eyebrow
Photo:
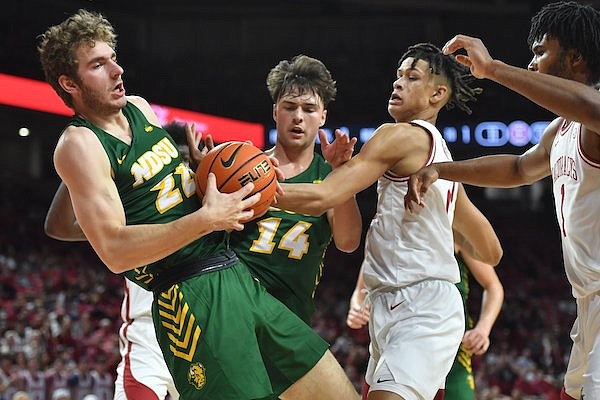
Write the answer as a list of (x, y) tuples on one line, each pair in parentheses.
[(101, 58), (312, 103)]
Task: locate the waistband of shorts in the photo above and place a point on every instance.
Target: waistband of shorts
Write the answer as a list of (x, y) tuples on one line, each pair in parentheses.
[(184, 271), (373, 293)]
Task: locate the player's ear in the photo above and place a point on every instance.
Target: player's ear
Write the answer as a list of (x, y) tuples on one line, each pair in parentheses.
[(440, 94), (67, 83), (275, 112), (323, 118), (575, 58)]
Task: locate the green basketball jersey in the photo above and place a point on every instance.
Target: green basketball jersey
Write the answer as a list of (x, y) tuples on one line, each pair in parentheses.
[(285, 250), (154, 185)]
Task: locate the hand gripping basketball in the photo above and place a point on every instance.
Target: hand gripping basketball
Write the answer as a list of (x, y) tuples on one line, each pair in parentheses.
[(234, 165)]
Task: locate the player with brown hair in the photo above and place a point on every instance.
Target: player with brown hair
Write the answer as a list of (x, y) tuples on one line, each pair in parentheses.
[(135, 201)]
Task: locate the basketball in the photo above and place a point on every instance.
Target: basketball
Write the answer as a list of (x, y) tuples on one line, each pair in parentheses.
[(234, 165)]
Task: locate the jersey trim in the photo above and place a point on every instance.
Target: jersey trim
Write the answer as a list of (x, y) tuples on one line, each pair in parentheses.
[(403, 178)]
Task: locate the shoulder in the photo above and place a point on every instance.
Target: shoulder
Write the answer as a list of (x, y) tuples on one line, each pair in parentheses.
[(395, 136), (145, 107), (76, 143)]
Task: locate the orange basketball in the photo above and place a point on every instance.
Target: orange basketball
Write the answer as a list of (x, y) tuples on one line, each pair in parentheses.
[(234, 165)]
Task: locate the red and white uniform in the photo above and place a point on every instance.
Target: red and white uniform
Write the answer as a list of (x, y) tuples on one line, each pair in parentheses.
[(576, 186), (409, 270), (142, 372)]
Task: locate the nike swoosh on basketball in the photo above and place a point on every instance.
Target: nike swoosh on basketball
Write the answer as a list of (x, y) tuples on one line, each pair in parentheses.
[(396, 305), (227, 163)]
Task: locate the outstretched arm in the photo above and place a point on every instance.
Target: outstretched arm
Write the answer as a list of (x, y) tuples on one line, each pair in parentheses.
[(567, 98), (399, 147), (501, 171), (477, 340)]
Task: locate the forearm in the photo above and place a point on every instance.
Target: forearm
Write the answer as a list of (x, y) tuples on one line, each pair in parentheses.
[(500, 171), (130, 246), (304, 198), (491, 304), (347, 225), (567, 98)]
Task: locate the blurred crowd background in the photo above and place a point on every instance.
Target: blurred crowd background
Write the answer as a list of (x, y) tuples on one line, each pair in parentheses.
[(60, 306)]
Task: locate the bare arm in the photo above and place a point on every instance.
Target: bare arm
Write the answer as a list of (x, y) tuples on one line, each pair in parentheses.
[(100, 214), (60, 221), (358, 311), (473, 231), (567, 98), (477, 340), (345, 219), (399, 147), (502, 171)]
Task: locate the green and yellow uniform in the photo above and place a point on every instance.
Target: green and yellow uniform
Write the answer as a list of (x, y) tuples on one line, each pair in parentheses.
[(460, 384), (219, 329), (285, 250)]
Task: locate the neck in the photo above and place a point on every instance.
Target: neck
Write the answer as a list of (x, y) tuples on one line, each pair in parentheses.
[(293, 161)]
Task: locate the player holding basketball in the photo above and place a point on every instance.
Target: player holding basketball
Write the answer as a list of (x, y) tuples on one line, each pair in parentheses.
[(565, 41), (285, 250), (135, 202), (417, 318), (142, 372)]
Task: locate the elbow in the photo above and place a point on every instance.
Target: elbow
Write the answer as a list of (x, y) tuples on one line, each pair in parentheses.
[(51, 231), (113, 260), (114, 264), (494, 257), (316, 208), (347, 246)]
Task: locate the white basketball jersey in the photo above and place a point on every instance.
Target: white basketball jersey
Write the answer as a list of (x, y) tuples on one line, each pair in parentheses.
[(402, 248), (576, 186), (137, 302)]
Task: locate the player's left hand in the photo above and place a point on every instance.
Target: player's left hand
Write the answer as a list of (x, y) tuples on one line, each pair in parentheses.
[(476, 341), (198, 147), (339, 151)]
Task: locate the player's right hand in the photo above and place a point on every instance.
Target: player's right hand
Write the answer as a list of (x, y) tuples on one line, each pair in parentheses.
[(477, 59), (227, 210), (358, 313)]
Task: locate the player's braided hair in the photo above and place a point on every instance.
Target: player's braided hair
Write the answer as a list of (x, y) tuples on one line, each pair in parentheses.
[(302, 74), (457, 74), (58, 44), (575, 26)]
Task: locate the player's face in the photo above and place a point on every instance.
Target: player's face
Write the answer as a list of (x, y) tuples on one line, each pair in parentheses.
[(548, 58), (101, 86), (412, 90), (298, 119)]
